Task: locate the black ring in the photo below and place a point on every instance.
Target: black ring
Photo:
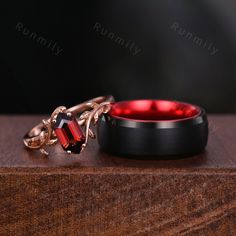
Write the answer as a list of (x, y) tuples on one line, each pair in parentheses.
[(171, 129)]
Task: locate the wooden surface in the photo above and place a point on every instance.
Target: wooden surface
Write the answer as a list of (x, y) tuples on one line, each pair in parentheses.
[(97, 194)]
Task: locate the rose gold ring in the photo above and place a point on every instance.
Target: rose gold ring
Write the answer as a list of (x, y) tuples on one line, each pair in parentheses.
[(63, 126)]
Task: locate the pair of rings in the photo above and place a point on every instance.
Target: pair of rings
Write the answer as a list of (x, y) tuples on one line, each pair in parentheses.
[(131, 128)]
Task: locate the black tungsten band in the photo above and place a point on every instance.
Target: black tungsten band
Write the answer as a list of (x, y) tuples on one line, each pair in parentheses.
[(161, 139)]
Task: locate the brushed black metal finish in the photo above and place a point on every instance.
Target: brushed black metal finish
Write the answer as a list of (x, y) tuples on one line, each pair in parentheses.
[(161, 139)]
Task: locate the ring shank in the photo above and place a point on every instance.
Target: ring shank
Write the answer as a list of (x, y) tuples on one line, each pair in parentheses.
[(87, 104)]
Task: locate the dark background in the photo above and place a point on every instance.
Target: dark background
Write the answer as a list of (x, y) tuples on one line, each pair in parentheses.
[(169, 66)]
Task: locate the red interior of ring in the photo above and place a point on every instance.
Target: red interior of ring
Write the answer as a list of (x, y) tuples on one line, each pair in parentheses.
[(153, 110)]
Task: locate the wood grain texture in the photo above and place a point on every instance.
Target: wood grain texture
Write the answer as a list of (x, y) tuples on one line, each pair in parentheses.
[(98, 194)]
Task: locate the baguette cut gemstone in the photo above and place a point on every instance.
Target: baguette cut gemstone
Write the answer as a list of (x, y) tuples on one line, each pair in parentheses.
[(69, 133)]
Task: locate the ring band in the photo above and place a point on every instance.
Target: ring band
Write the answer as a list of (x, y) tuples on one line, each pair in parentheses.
[(63, 126), (157, 128)]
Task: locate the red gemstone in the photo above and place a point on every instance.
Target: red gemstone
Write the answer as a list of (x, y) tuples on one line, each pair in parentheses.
[(69, 133)]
